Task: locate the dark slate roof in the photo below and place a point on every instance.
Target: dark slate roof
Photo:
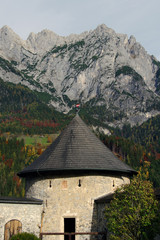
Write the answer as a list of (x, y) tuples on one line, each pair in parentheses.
[(76, 148), (20, 200)]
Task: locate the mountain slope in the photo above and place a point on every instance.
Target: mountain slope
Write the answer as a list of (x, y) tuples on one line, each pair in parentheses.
[(25, 111), (112, 76)]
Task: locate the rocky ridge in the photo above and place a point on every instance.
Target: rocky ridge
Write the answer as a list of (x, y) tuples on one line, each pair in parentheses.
[(111, 75)]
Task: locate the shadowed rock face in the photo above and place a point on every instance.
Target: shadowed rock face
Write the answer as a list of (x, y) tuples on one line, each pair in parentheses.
[(101, 67)]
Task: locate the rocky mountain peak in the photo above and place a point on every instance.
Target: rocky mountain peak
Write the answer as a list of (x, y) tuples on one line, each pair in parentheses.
[(6, 30), (11, 44), (108, 72), (8, 37), (102, 28), (132, 40), (44, 41)]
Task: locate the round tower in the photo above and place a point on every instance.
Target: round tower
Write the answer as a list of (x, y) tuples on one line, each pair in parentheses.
[(70, 175)]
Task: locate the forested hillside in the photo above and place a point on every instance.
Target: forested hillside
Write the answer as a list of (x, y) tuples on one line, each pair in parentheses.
[(13, 157), (137, 156), (25, 113), (15, 154), (148, 134), (138, 146)]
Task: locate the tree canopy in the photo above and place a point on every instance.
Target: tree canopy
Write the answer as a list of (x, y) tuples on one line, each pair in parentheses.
[(24, 236), (133, 214)]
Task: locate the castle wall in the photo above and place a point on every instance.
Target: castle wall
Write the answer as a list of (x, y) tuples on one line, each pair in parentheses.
[(28, 214), (71, 197)]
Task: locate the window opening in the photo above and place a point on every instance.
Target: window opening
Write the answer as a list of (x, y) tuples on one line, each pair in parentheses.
[(79, 183), (50, 183), (113, 183)]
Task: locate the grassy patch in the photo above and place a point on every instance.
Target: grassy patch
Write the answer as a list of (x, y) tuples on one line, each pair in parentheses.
[(44, 140)]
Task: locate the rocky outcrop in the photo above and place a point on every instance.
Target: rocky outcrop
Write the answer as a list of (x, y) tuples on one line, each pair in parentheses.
[(106, 71)]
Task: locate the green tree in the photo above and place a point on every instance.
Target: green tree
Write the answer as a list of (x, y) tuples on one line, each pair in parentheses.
[(133, 213), (24, 236)]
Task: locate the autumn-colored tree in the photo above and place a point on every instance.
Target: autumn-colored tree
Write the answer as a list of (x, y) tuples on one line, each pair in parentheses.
[(49, 140), (39, 151), (133, 213)]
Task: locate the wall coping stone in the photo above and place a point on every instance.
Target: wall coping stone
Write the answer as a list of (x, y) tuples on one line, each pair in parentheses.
[(14, 200)]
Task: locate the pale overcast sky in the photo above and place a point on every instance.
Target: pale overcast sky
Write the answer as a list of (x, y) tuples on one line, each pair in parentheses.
[(140, 18)]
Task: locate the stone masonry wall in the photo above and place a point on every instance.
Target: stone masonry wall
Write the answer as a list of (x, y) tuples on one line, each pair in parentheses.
[(71, 197), (28, 214)]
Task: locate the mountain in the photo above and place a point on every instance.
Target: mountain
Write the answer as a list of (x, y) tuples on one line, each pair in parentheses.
[(25, 111), (111, 75)]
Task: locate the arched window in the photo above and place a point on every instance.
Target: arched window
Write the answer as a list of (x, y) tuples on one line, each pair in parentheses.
[(11, 228)]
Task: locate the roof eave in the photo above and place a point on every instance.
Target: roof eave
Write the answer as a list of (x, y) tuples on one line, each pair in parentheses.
[(43, 172)]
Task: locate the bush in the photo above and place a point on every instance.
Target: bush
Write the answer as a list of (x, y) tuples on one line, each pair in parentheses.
[(24, 236)]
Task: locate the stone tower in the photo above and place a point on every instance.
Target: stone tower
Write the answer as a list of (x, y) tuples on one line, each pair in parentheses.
[(70, 176)]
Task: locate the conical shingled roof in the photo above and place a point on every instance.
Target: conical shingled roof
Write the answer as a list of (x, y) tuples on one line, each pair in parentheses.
[(76, 148)]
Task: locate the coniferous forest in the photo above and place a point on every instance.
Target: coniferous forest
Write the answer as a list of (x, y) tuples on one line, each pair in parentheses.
[(24, 116), (15, 154)]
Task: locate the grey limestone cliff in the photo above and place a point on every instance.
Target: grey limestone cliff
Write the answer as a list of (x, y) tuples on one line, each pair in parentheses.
[(108, 72)]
